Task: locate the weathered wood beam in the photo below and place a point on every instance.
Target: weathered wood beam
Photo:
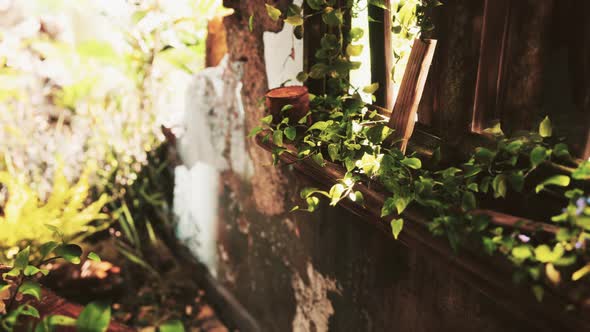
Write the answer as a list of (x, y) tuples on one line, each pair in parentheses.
[(381, 54), (491, 63), (404, 112)]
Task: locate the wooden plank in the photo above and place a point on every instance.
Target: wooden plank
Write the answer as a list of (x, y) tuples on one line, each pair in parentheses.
[(312, 29), (406, 105), (381, 54), (491, 63)]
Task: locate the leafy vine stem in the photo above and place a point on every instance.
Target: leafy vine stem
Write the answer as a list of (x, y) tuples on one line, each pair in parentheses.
[(345, 131)]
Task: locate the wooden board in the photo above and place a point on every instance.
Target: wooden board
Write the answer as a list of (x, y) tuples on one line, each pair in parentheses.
[(491, 63), (381, 54), (404, 112)]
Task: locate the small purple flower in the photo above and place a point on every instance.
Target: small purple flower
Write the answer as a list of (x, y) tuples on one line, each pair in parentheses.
[(580, 204), (579, 244), (524, 238)]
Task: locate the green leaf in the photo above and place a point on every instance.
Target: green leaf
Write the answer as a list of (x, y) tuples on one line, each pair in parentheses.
[(171, 326), (94, 257), (333, 17), (69, 252), (582, 172), (31, 270), (255, 131), (499, 186), (560, 150), (354, 50), (522, 252), (557, 180), (29, 310), (315, 4), (295, 20), (333, 151), (251, 23), (273, 12), (388, 207), (538, 291), (579, 274), (266, 120), (336, 193), (396, 227), (47, 248), (30, 288), (468, 202), (517, 181), (413, 163), (277, 137), (290, 133), (538, 156), (302, 77), (95, 317), (371, 88), (544, 254), (545, 128), (356, 34), (21, 261), (484, 156), (378, 3)]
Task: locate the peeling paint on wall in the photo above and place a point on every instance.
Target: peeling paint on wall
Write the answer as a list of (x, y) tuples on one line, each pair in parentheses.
[(314, 308), (212, 141)]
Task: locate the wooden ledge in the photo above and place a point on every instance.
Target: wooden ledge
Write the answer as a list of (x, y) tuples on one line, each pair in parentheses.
[(491, 275)]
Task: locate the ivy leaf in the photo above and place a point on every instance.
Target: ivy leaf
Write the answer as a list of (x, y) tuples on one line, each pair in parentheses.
[(30, 288), (402, 202), (336, 193), (371, 88), (290, 133), (333, 17), (538, 156), (277, 137), (94, 257), (273, 12), (557, 180), (302, 77), (69, 252), (354, 50), (521, 252), (468, 202), (378, 3), (266, 120), (539, 292), (544, 254), (582, 172), (95, 317), (29, 310), (295, 20), (333, 151), (388, 207), (315, 4), (561, 151), (517, 181), (356, 34), (413, 163), (484, 156), (545, 128), (396, 227), (171, 326), (499, 186), (378, 134)]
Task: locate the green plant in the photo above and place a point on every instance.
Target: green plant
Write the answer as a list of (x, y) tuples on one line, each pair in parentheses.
[(28, 219), (345, 131), (19, 287)]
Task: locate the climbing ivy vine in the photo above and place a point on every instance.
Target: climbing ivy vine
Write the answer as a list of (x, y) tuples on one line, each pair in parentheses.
[(345, 131)]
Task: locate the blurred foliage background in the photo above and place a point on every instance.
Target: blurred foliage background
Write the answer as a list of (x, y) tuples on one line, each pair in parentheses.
[(85, 86)]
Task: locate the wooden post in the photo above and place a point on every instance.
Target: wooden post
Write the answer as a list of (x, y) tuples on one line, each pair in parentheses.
[(381, 54), (404, 112), (296, 96), (491, 62), (216, 42)]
